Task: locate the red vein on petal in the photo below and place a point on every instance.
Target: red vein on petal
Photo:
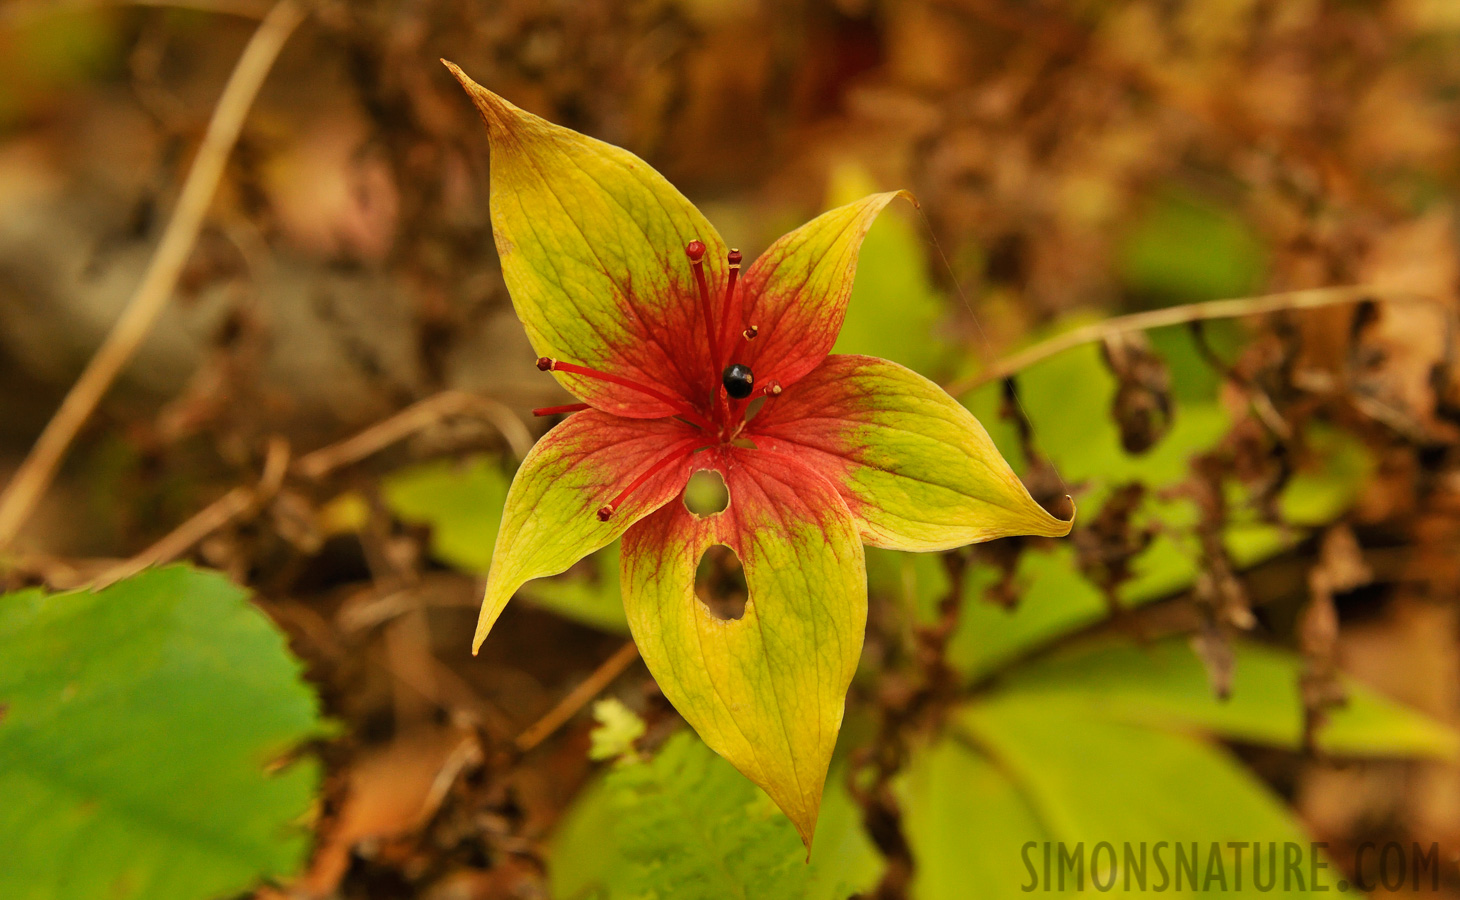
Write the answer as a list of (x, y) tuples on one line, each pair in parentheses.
[(684, 449)]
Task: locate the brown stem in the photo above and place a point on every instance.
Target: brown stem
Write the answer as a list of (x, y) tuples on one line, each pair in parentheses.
[(1314, 298), (568, 707), (410, 420)]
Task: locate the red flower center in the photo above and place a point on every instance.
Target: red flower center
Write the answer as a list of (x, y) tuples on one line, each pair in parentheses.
[(732, 383)]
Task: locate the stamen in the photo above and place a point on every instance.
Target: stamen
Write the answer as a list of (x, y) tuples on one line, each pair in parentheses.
[(558, 410), (685, 449), (726, 311), (746, 337), (548, 364), (771, 389), (695, 250)]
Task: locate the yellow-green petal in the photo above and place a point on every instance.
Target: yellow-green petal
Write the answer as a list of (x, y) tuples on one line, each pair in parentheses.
[(917, 469), (551, 521), (765, 691), (796, 292), (592, 242)]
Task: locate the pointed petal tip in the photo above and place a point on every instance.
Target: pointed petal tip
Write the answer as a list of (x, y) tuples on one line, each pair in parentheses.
[(803, 817), (806, 836), (1068, 522), (908, 196), (1051, 524), (494, 110)]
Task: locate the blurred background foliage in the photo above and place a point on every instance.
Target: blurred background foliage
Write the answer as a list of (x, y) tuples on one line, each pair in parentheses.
[(1251, 635)]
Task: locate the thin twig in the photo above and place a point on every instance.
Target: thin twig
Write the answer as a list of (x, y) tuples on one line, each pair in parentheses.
[(411, 420), (1314, 298), (209, 519), (568, 707), (39, 468)]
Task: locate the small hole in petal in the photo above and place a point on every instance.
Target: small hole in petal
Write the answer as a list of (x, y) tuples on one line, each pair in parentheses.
[(706, 494), (720, 583)]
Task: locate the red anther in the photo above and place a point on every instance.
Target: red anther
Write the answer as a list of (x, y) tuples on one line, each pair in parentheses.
[(772, 389), (750, 333), (546, 363), (695, 250), (556, 410), (734, 258), (605, 513)]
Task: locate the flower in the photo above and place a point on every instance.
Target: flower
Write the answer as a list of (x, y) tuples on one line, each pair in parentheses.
[(639, 309)]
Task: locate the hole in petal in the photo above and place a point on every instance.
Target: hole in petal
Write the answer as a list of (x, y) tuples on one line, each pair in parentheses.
[(720, 583), (706, 494)]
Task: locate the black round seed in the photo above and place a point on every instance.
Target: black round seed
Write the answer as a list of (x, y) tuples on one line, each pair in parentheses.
[(738, 381)]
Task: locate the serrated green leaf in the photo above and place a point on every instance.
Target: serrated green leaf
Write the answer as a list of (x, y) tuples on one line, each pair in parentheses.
[(141, 725), (617, 729), (686, 825)]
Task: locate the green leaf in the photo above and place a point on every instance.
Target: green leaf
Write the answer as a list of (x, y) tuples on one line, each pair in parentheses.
[(142, 724), (1094, 745), (894, 307), (1165, 684), (1090, 780), (460, 501), (916, 582), (1067, 399), (1055, 599), (1186, 249), (617, 729), (964, 818), (687, 826)]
